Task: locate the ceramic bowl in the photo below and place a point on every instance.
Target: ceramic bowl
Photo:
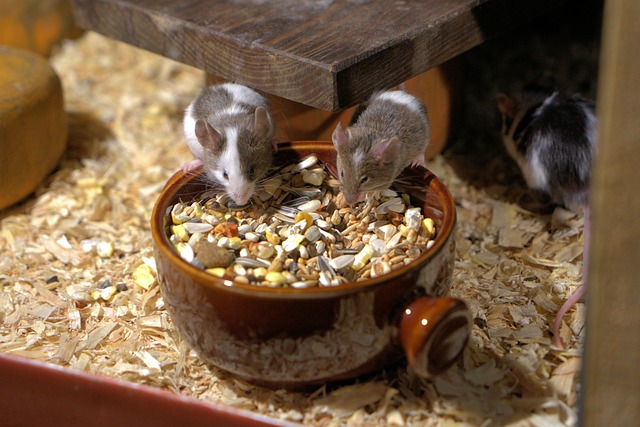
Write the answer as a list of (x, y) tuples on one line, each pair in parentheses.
[(297, 338)]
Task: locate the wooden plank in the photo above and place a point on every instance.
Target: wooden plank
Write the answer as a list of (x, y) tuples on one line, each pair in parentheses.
[(322, 53), (611, 394)]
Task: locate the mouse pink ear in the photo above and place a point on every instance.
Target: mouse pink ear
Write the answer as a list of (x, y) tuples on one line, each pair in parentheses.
[(340, 138), (262, 125), (386, 151), (207, 135), (507, 105)]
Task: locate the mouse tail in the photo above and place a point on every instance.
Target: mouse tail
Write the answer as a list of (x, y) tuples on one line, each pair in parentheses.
[(573, 300), (582, 290)]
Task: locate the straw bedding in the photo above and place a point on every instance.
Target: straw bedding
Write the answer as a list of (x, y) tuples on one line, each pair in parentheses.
[(77, 274)]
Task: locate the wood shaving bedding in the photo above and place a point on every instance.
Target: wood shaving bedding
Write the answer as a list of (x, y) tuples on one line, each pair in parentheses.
[(78, 277)]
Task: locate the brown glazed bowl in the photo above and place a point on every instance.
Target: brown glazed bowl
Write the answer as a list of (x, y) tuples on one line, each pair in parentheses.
[(299, 338)]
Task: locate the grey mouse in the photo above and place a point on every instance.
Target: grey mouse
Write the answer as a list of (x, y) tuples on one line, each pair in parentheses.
[(229, 129), (386, 134)]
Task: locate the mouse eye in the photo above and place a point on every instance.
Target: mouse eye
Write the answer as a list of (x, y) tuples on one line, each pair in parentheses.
[(341, 174), (364, 180), (252, 173), (225, 175)]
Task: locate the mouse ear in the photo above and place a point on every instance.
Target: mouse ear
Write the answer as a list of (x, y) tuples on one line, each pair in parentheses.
[(386, 151), (340, 138), (207, 135), (262, 125), (507, 105)]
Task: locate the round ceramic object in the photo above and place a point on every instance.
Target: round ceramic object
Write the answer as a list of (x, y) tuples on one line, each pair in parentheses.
[(33, 123), (297, 338), (36, 25)]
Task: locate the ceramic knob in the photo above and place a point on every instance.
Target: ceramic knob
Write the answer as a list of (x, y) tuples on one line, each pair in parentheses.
[(433, 333)]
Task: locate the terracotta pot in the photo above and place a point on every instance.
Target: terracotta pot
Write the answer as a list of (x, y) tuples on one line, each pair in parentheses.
[(36, 25), (296, 338)]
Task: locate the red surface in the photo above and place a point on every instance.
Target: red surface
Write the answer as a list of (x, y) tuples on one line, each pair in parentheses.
[(39, 394)]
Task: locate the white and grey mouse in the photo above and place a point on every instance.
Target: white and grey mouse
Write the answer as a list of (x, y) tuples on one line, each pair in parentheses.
[(552, 136), (229, 129), (386, 134)]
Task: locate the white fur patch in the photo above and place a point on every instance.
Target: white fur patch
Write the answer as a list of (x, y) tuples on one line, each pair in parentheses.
[(230, 158), (402, 98), (591, 124), (592, 134), (189, 125), (233, 110), (534, 172), (545, 104), (237, 185), (243, 94), (358, 156)]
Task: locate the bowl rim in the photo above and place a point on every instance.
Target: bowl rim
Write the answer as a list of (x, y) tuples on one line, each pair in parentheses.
[(180, 178)]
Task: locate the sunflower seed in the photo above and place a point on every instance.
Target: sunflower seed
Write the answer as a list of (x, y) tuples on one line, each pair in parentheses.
[(324, 266), (304, 284), (251, 262), (325, 278), (294, 203), (187, 253), (313, 177), (342, 261), (310, 206), (392, 205), (310, 192), (197, 227), (287, 211), (272, 184), (307, 163), (313, 234)]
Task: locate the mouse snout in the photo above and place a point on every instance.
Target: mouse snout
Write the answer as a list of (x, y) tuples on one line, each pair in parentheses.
[(240, 199), (351, 197), (241, 196)]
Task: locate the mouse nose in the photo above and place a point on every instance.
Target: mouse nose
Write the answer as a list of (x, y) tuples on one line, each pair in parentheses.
[(241, 197), (240, 200), (351, 198)]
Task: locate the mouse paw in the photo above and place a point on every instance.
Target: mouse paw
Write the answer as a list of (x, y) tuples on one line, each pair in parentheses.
[(192, 165)]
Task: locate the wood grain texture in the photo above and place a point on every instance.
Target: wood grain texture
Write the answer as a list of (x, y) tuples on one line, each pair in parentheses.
[(611, 394), (329, 54)]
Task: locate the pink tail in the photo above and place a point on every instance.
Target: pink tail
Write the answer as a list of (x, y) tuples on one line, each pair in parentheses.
[(573, 299), (579, 293)]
